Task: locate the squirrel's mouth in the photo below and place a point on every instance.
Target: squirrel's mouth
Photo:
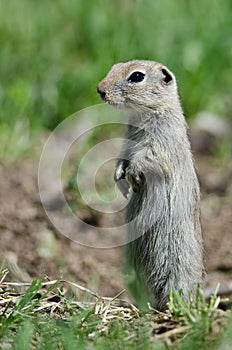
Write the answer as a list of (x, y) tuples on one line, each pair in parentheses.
[(112, 102), (119, 105)]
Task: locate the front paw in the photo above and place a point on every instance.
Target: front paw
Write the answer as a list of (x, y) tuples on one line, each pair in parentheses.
[(135, 177)]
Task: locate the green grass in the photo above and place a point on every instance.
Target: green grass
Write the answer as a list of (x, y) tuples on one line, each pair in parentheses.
[(53, 55), (44, 316)]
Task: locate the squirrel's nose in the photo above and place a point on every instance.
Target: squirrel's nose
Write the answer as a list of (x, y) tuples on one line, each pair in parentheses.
[(102, 93)]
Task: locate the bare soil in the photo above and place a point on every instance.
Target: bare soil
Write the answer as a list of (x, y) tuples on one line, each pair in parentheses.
[(30, 246)]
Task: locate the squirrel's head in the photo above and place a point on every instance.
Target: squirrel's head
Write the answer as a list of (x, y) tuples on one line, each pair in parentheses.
[(140, 85)]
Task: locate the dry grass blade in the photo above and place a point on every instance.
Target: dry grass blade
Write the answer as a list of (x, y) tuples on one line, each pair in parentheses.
[(4, 274), (172, 332)]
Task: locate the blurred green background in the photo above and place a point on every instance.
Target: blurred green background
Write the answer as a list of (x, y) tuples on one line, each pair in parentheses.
[(53, 54)]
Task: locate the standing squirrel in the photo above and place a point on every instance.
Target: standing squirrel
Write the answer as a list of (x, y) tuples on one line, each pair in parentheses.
[(163, 212)]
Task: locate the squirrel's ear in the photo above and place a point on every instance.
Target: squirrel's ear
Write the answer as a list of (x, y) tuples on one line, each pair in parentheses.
[(167, 75)]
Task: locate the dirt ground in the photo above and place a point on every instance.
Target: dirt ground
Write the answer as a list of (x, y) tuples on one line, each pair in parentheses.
[(30, 247)]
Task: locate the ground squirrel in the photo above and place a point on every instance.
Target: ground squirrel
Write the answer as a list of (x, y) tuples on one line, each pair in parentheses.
[(163, 211)]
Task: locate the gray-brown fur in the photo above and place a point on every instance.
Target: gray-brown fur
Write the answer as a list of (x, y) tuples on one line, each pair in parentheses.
[(163, 212)]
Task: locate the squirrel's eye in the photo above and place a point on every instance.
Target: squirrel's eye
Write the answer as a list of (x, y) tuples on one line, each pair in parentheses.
[(136, 77)]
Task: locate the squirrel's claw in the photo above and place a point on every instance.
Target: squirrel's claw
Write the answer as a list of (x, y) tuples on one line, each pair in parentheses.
[(124, 187), (120, 177)]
